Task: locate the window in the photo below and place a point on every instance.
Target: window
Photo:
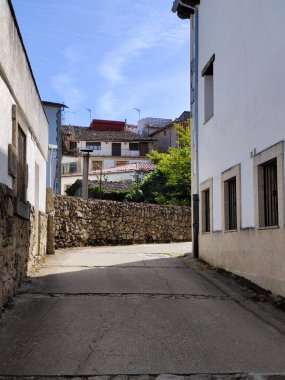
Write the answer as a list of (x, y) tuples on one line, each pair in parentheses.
[(21, 165), (230, 199), (134, 146), (206, 205), (268, 186), (120, 163), (206, 196), (69, 168), (97, 165), (270, 193), (208, 74), (93, 145), (72, 145)]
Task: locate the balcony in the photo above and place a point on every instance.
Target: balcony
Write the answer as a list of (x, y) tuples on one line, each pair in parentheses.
[(110, 153)]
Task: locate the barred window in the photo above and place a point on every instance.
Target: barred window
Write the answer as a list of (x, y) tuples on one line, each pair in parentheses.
[(206, 213), (230, 204), (270, 193)]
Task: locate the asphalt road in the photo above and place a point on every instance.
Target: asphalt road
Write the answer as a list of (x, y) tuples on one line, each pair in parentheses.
[(137, 310)]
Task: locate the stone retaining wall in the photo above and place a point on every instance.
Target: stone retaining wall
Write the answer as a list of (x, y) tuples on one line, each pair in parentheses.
[(22, 244), (79, 222)]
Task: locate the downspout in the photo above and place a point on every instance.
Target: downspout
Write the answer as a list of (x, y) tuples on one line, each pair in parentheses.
[(195, 194)]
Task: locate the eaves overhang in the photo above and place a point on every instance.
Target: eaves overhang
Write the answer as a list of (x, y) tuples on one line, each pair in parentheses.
[(181, 7)]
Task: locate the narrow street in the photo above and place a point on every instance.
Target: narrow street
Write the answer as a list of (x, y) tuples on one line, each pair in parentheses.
[(137, 310)]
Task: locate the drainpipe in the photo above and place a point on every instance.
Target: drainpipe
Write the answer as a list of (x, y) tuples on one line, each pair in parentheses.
[(195, 194)]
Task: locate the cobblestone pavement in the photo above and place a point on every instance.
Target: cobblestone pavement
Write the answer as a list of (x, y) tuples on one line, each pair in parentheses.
[(145, 312)]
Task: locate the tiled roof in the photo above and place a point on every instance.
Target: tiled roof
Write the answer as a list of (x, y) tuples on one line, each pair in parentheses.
[(87, 134), (139, 166)]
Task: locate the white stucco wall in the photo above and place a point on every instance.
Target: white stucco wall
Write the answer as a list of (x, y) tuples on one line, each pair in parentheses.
[(247, 38), (15, 72), (6, 132), (17, 87), (51, 113)]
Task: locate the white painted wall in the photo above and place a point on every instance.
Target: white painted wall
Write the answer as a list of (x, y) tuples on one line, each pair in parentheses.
[(16, 74), (247, 38), (17, 87), (5, 132)]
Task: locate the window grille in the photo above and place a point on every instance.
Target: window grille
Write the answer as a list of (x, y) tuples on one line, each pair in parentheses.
[(207, 210), (232, 204), (270, 193)]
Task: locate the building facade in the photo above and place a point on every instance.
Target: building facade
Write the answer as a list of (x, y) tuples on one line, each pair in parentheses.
[(53, 112), (111, 144), (23, 157), (166, 137), (238, 82)]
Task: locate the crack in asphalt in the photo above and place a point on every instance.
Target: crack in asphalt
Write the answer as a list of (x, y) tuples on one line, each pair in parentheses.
[(128, 295)]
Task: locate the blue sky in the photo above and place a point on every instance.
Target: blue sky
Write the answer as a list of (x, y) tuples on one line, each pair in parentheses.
[(109, 56)]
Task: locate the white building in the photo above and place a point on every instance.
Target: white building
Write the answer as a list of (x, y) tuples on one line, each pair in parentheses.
[(23, 156), (24, 126), (110, 148), (54, 115), (120, 174), (238, 55)]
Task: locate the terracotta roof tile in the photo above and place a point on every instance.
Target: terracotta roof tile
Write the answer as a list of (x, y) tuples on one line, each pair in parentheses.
[(87, 134), (139, 166)]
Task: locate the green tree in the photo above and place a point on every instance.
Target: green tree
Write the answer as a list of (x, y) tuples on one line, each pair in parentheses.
[(170, 182)]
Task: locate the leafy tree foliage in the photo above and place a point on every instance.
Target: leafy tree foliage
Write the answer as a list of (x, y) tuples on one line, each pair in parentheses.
[(170, 182)]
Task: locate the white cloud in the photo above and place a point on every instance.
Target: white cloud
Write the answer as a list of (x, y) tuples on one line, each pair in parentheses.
[(65, 83), (107, 105), (145, 36), (67, 89)]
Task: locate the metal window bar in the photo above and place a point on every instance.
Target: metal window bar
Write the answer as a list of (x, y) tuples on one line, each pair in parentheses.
[(232, 204), (207, 210), (270, 194)]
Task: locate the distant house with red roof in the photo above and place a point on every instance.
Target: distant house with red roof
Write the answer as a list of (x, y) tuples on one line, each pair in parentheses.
[(112, 143)]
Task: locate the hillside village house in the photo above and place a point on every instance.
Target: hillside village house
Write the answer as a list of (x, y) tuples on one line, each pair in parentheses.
[(23, 156), (238, 50), (112, 145), (166, 136), (116, 178)]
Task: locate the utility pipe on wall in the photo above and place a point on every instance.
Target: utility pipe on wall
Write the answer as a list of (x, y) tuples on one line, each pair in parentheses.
[(195, 195)]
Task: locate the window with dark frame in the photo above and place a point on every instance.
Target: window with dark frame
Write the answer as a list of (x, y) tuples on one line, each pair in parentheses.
[(134, 146), (208, 74), (231, 204), (72, 145), (93, 145), (207, 224), (270, 193), (21, 165)]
